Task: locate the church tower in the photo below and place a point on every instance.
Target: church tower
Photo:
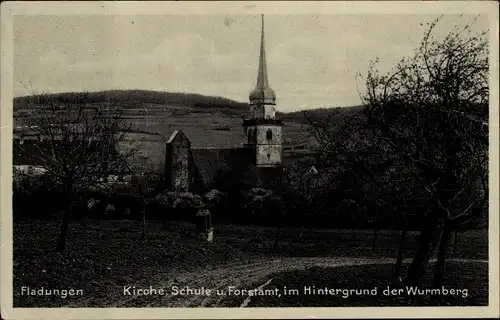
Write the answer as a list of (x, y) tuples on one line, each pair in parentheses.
[(263, 131)]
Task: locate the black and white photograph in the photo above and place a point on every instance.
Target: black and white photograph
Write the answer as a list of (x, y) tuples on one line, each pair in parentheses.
[(250, 159)]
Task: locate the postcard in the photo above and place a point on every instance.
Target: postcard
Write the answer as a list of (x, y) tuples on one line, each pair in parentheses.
[(230, 159)]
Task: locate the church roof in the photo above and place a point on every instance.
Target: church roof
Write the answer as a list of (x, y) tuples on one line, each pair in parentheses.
[(223, 168), (150, 151), (172, 136), (262, 94), (213, 161)]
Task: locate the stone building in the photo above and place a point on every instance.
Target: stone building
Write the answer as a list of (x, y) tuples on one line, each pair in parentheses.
[(263, 130), (178, 162), (259, 161)]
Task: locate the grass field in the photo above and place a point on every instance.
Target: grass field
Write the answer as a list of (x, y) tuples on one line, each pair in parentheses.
[(102, 256), (202, 127)]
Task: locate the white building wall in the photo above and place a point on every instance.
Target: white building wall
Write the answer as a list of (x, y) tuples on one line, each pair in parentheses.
[(269, 152), (269, 155)]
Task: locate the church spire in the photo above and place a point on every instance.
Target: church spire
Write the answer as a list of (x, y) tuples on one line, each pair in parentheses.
[(262, 75), (262, 94)]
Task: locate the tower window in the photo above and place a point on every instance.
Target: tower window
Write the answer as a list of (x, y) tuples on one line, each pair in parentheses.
[(269, 134), (251, 136)]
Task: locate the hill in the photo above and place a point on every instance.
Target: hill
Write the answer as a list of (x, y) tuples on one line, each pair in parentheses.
[(132, 99), (319, 113), (207, 121)]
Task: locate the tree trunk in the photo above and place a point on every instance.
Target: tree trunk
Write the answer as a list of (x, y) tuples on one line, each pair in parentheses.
[(278, 230), (399, 259), (307, 222), (375, 236), (455, 242), (61, 243), (277, 237), (144, 234), (441, 258), (418, 266), (301, 231)]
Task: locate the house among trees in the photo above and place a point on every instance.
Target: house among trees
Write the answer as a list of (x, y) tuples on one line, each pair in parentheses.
[(32, 156)]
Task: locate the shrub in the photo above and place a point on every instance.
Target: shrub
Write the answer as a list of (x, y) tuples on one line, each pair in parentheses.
[(188, 200), (35, 198), (213, 197)]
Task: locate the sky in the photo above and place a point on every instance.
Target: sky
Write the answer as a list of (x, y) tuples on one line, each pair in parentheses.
[(312, 60)]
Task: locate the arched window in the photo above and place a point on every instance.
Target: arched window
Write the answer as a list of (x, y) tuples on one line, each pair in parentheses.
[(269, 134)]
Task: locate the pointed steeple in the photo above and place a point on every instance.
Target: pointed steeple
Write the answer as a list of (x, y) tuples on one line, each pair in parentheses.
[(262, 73), (262, 94)]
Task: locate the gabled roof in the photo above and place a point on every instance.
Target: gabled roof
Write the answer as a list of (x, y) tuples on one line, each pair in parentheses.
[(178, 134), (173, 136), (150, 153), (211, 161)]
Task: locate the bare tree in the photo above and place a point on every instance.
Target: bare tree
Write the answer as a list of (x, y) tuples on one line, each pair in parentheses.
[(430, 111), (348, 144), (79, 146), (302, 181), (144, 189)]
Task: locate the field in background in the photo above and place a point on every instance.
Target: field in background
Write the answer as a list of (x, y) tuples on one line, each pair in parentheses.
[(207, 121), (153, 124), (204, 128)]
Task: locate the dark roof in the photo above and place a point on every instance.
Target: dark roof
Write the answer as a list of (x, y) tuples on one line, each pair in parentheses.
[(151, 150), (214, 164), (211, 161), (177, 134)]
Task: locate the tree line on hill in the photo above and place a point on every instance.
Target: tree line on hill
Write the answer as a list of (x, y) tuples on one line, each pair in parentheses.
[(130, 98), (134, 98)]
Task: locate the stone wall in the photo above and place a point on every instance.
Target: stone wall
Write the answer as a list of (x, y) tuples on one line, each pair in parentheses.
[(177, 162), (269, 147), (263, 112)]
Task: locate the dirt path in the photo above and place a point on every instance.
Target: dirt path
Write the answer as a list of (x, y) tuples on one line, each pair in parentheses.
[(240, 276)]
